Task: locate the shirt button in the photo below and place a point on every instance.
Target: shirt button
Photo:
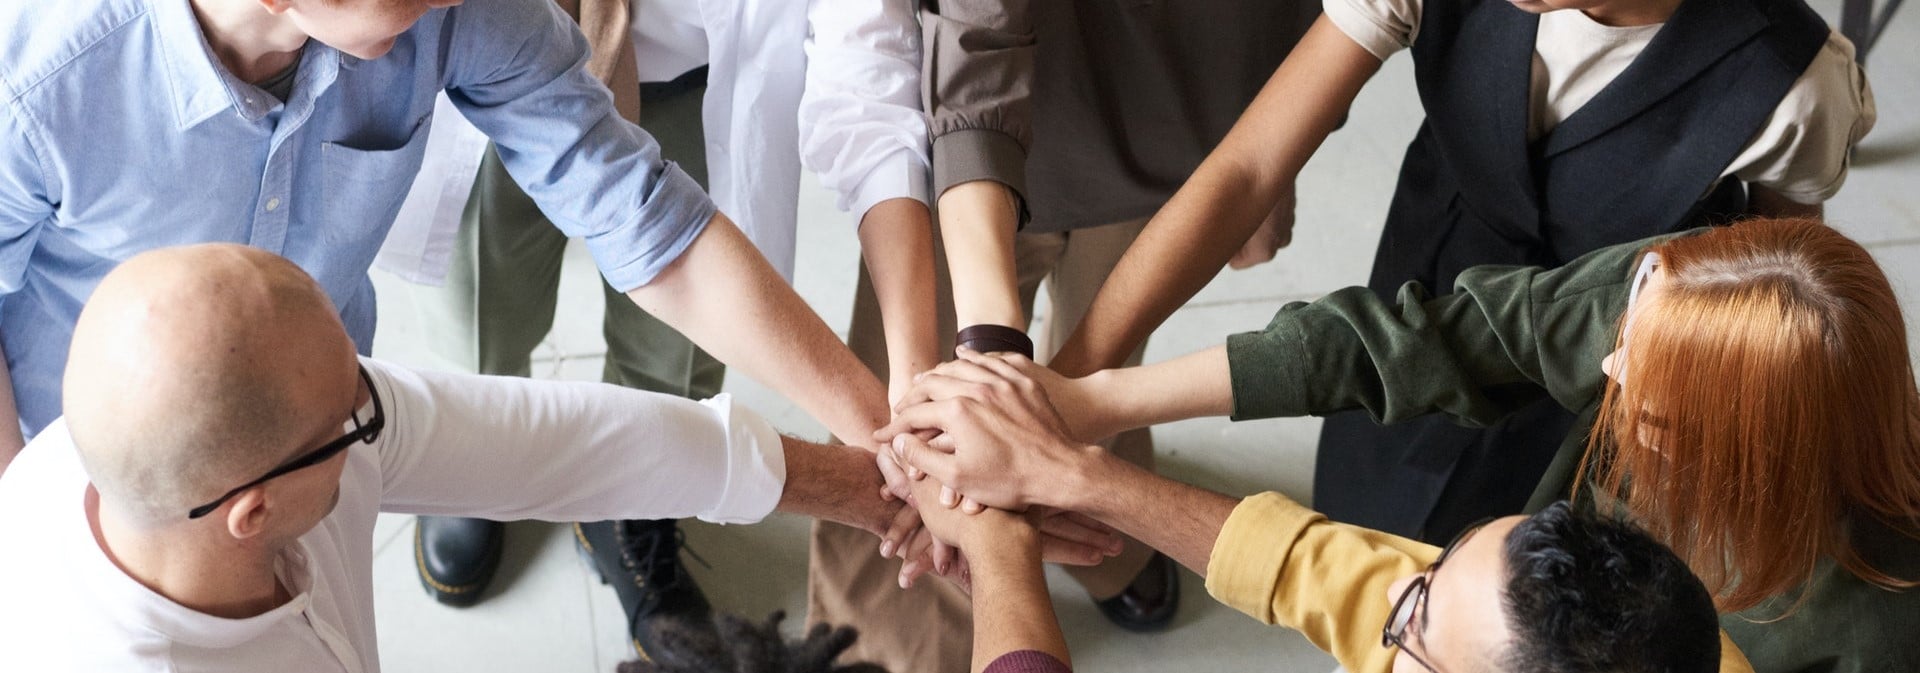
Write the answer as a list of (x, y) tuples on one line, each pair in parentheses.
[(273, 204)]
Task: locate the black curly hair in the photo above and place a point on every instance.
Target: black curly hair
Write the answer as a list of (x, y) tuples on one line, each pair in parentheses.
[(1587, 593), (735, 645)]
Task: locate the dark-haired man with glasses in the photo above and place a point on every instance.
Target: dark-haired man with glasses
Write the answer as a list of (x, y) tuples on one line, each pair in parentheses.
[(208, 501), (1562, 591)]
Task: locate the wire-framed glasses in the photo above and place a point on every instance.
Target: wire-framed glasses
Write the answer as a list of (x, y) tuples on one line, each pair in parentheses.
[(361, 432)]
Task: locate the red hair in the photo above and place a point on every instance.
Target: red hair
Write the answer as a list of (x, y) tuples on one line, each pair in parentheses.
[(1769, 403)]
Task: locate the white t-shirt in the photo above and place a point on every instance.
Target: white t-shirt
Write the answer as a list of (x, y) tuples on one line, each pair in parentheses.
[(1801, 152), (497, 447)]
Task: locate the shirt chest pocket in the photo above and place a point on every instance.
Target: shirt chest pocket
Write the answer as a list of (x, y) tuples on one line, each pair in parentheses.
[(364, 186)]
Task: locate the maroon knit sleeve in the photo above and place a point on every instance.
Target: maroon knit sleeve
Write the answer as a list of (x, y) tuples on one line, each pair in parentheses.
[(1027, 661)]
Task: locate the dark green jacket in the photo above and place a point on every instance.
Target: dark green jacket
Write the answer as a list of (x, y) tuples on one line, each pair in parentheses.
[(1511, 335)]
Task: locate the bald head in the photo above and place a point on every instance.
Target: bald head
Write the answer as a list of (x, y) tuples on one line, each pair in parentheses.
[(197, 368)]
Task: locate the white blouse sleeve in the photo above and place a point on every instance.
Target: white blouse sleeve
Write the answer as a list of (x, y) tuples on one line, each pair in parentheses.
[(1382, 27), (509, 448), (1803, 150), (861, 124)]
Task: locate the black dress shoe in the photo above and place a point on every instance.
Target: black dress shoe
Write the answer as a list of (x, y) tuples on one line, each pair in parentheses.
[(1148, 603), (456, 557), (641, 559)]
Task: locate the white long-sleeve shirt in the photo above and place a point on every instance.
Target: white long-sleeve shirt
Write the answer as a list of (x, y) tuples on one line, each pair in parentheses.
[(495, 447), (829, 85)]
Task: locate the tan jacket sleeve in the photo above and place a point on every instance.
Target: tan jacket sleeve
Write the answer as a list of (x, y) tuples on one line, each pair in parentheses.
[(978, 80), (608, 27)]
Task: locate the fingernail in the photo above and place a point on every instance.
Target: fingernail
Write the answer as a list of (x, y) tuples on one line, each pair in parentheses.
[(886, 548), (946, 497)]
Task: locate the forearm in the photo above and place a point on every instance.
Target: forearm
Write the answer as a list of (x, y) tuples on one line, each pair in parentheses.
[(1181, 521), (834, 483), (11, 441), (1011, 607), (1191, 386), (725, 297), (1232, 192), (977, 223), (896, 241)]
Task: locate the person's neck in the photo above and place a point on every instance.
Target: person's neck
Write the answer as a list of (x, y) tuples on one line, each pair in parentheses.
[(251, 42), (1625, 13), (231, 581)]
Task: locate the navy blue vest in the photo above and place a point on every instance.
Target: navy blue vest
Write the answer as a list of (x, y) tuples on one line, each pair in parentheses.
[(1638, 160)]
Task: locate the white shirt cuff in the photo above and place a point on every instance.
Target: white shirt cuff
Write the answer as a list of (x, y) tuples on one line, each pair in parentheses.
[(756, 465), (899, 175)]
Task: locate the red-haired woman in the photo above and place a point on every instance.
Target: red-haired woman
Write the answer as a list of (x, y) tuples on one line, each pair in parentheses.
[(1761, 415)]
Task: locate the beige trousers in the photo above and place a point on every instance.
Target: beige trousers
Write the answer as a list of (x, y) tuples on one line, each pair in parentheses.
[(929, 629)]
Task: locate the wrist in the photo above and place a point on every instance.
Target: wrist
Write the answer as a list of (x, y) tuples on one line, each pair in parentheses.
[(1015, 543), (1102, 402), (1089, 471)]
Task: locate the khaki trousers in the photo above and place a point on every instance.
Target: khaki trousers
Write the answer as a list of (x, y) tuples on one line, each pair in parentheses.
[(929, 628)]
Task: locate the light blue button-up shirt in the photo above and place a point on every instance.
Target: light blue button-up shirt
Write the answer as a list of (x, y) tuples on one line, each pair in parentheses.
[(121, 132)]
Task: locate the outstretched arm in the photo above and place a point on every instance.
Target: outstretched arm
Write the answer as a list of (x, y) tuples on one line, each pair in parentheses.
[(1013, 613), (979, 80), (724, 296), (1233, 191), (862, 131)]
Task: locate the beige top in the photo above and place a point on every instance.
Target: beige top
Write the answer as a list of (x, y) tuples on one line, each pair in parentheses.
[(1802, 152)]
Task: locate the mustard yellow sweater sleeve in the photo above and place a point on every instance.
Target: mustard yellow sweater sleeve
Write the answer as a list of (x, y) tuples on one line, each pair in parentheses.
[(1284, 564)]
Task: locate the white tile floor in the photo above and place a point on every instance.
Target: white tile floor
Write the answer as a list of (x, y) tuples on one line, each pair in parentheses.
[(546, 612)]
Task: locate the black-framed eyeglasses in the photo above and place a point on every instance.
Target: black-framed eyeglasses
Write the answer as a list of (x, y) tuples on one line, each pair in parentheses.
[(1413, 599), (361, 432)]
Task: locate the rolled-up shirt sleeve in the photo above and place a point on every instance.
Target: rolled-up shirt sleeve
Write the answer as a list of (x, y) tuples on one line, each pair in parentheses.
[(861, 124), (517, 70), (979, 85), (1804, 150), (511, 448), (1382, 27)]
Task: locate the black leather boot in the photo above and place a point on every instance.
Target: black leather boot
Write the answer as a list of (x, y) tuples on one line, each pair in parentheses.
[(456, 557), (1149, 602), (641, 560)]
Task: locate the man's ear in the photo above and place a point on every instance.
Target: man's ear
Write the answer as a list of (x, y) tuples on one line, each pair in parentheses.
[(276, 7), (248, 514)]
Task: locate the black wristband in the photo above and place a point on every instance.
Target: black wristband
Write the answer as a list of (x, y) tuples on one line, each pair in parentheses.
[(987, 338)]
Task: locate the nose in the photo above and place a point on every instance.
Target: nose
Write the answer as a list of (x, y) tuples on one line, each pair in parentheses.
[(1607, 364)]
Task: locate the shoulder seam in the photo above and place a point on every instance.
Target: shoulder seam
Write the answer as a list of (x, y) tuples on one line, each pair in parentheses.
[(61, 65)]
